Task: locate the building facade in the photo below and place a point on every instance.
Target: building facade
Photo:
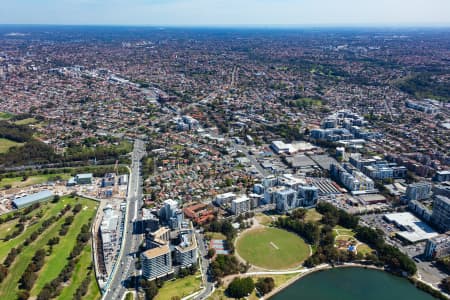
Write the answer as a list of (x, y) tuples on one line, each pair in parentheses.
[(240, 205), (441, 213), (418, 191), (438, 247), (156, 262)]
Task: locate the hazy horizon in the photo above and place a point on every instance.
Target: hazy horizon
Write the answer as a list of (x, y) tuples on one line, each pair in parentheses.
[(230, 13)]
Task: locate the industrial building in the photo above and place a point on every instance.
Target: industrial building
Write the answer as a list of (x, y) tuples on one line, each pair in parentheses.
[(31, 199), (84, 178), (411, 228), (80, 179)]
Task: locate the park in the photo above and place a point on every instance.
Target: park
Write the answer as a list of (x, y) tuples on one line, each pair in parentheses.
[(272, 248)]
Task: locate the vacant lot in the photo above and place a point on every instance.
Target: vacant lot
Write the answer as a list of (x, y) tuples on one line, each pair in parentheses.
[(272, 248), (19, 182)]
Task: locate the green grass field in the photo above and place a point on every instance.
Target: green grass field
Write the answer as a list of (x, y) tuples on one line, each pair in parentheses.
[(27, 121), (5, 115), (17, 182), (312, 215), (180, 287), (55, 262), (272, 248), (6, 144), (215, 236)]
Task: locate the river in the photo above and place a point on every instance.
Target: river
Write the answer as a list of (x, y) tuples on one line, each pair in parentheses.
[(352, 284)]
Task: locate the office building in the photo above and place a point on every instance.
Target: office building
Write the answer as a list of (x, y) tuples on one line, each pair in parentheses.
[(420, 210)]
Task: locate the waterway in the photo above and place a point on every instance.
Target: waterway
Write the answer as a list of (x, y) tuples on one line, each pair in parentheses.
[(352, 284)]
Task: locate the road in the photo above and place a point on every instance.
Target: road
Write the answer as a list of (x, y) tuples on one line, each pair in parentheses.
[(252, 159), (125, 266), (207, 280)]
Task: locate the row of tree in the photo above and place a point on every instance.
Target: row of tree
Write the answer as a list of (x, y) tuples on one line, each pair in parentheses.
[(14, 132), (388, 254), (54, 288), (309, 231), (333, 216), (14, 252), (29, 276)]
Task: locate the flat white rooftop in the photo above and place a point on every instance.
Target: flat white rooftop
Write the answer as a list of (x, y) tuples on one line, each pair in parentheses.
[(415, 230)]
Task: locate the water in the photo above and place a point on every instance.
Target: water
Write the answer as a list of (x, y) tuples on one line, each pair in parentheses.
[(352, 284)]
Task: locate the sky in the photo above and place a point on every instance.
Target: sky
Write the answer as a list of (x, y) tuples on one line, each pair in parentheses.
[(227, 12)]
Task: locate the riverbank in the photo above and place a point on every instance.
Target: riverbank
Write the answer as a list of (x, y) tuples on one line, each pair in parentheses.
[(314, 270), (431, 291)]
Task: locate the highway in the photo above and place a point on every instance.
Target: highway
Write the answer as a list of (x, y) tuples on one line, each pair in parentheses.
[(125, 267)]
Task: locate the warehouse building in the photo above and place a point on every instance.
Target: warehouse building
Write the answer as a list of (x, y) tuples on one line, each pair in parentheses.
[(31, 199)]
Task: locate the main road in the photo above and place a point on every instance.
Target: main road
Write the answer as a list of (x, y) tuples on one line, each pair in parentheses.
[(125, 267)]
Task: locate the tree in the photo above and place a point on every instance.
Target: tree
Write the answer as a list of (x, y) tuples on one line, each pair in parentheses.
[(240, 288), (56, 198), (211, 253), (3, 272), (265, 285), (150, 288)]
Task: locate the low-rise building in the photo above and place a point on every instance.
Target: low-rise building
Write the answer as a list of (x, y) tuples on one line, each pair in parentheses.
[(31, 199), (84, 178)]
